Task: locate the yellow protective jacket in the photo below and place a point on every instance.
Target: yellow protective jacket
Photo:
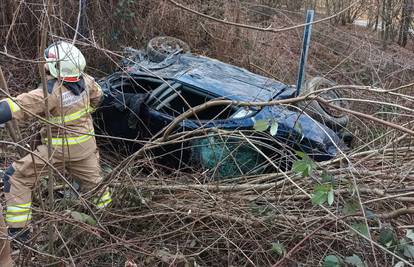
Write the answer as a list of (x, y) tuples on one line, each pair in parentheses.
[(74, 146), (71, 122)]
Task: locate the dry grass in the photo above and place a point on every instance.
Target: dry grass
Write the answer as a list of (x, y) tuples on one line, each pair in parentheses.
[(168, 217)]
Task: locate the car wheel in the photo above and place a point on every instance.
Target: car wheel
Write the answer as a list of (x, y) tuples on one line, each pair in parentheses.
[(331, 117), (161, 47)]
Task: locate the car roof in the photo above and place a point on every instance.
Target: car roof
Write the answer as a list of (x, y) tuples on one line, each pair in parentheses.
[(209, 75)]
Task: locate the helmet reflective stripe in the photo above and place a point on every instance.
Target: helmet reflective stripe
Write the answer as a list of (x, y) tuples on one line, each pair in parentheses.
[(65, 60)]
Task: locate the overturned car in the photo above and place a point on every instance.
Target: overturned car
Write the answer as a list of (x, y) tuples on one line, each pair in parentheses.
[(155, 86)]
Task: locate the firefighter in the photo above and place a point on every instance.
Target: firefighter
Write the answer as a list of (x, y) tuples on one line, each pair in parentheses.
[(72, 96)]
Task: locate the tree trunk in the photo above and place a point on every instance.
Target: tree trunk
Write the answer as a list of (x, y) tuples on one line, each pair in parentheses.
[(406, 19), (377, 16), (386, 25)]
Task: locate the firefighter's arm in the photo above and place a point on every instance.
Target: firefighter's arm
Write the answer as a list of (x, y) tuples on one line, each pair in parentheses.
[(24, 106), (95, 92), (96, 95)]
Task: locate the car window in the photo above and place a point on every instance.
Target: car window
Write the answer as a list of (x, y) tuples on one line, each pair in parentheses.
[(128, 84), (242, 113), (175, 98)]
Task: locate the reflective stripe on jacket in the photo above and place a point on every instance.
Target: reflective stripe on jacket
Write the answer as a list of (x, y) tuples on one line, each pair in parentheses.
[(68, 110)]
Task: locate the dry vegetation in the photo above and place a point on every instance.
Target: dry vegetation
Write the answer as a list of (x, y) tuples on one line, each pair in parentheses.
[(173, 218)]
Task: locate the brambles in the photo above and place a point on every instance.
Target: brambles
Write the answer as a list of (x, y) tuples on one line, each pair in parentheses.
[(162, 216)]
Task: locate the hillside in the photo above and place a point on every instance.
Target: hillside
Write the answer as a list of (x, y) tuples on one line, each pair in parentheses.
[(355, 209)]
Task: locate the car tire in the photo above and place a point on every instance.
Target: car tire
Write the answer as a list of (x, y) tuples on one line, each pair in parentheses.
[(161, 47), (328, 116)]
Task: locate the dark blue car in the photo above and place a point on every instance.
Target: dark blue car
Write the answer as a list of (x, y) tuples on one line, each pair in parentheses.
[(155, 86)]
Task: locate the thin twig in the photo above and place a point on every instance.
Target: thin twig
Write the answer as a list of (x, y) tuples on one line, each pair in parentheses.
[(48, 10)]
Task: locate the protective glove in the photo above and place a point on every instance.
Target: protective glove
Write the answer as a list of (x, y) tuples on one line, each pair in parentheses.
[(5, 112)]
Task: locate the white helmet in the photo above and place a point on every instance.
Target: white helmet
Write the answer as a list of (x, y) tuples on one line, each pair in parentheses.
[(65, 61)]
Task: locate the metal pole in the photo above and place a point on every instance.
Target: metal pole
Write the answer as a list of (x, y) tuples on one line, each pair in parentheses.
[(310, 14)]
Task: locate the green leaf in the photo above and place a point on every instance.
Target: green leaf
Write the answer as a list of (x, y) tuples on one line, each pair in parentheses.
[(331, 197), (406, 248), (321, 194), (361, 228), (354, 260), (387, 237), (351, 207), (89, 220), (410, 234), (319, 197), (261, 125), (301, 167), (301, 154), (327, 178), (76, 215), (323, 188), (401, 244), (332, 261), (82, 217), (278, 248), (409, 251), (273, 128)]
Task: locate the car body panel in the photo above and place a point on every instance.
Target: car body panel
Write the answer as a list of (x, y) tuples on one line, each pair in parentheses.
[(209, 75), (295, 129), (220, 81)]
